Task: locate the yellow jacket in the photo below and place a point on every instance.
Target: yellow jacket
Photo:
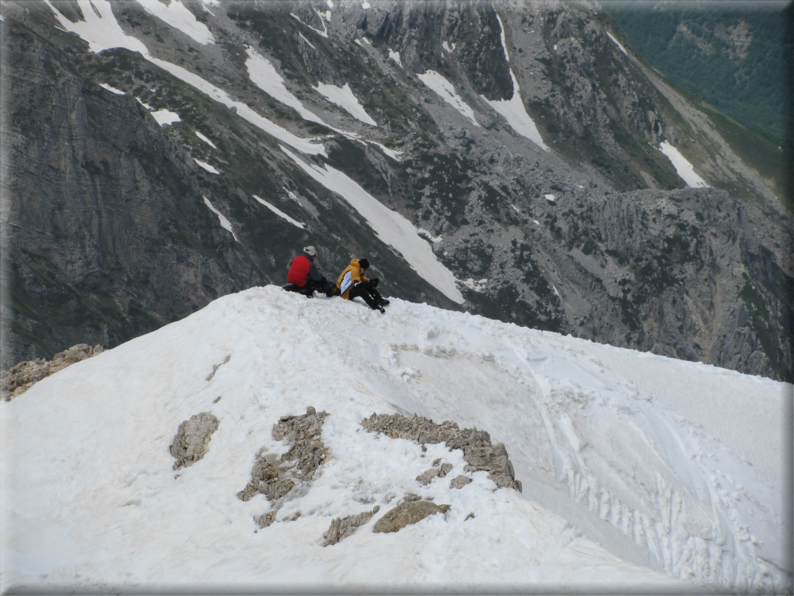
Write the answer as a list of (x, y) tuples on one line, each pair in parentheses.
[(352, 275)]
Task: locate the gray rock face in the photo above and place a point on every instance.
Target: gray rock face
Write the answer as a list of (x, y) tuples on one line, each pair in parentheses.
[(478, 452), (110, 237), (407, 513), (192, 439), (24, 375)]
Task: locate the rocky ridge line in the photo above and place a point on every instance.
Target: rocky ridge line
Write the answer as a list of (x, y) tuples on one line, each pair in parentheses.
[(22, 376), (478, 452)]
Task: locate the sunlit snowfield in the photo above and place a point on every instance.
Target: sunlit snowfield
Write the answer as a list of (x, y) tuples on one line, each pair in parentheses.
[(638, 471)]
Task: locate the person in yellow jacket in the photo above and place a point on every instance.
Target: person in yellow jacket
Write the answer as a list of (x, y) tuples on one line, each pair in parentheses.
[(353, 284)]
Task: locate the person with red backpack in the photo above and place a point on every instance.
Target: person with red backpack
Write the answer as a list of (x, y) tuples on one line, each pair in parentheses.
[(304, 277)]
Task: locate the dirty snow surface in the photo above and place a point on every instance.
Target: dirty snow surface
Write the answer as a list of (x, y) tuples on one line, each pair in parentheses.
[(639, 472)]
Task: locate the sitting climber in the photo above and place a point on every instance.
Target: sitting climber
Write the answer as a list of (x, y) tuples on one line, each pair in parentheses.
[(353, 284), (304, 277)]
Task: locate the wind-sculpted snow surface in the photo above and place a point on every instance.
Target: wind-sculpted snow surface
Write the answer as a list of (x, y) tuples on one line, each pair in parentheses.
[(639, 473)]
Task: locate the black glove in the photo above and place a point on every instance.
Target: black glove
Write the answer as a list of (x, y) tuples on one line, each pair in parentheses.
[(374, 282)]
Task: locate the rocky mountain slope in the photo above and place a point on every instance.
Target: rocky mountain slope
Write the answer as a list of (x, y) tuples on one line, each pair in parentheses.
[(514, 160)]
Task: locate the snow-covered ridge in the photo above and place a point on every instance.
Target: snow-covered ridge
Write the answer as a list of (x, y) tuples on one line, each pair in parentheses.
[(669, 465)]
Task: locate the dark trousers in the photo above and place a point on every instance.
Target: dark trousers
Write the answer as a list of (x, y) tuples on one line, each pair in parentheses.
[(312, 286), (365, 290), (322, 285)]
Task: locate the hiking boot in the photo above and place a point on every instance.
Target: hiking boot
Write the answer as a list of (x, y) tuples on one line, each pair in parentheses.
[(383, 302)]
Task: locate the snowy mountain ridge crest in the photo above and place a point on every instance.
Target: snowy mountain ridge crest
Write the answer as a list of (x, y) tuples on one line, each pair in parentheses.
[(673, 468)]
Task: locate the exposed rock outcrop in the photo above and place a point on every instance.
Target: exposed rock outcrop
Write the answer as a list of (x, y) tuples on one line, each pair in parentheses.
[(475, 444), (407, 513), (192, 439), (274, 476), (24, 375), (341, 528)]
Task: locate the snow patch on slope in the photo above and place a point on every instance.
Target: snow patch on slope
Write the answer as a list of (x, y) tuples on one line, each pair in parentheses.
[(682, 166), (265, 76), (103, 32), (446, 91), (164, 117), (515, 113), (391, 227), (502, 36), (205, 139), (280, 213), (179, 17), (323, 33), (344, 98), (396, 57), (100, 28), (112, 89), (225, 223), (206, 166), (620, 45)]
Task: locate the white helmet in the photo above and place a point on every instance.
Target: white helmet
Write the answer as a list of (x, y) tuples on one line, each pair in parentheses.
[(309, 250)]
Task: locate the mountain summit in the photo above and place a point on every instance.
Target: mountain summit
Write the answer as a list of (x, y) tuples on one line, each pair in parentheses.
[(274, 443), (514, 159)]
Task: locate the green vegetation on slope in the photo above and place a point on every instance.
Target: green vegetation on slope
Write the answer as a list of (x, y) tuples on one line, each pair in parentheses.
[(737, 58)]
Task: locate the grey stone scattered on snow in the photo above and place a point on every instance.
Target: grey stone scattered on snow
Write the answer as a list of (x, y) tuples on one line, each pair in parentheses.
[(22, 376), (427, 476), (478, 452), (341, 528), (192, 438), (406, 513), (459, 481)]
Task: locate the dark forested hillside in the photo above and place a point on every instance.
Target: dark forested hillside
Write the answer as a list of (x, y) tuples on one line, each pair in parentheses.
[(737, 56)]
